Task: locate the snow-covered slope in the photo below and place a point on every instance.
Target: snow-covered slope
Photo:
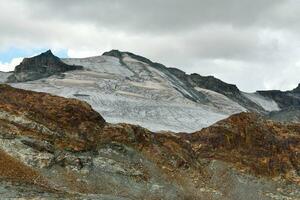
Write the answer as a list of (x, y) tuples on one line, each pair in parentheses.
[(134, 92), (223, 103), (4, 76), (266, 103)]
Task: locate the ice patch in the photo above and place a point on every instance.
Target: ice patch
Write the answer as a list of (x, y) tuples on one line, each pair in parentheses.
[(266, 103)]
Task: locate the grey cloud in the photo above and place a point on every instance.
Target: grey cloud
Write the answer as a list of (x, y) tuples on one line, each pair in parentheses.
[(232, 39), (156, 15)]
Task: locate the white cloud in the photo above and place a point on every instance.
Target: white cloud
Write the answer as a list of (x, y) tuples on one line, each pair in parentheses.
[(81, 53), (243, 42), (6, 67)]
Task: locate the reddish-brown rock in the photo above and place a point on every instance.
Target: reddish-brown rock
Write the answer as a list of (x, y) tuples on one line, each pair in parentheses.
[(68, 123), (251, 142), (73, 149)]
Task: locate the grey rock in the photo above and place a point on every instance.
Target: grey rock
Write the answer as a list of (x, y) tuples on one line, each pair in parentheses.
[(41, 66), (297, 89), (289, 114)]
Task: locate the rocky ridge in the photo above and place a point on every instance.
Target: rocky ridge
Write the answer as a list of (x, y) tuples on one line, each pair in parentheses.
[(134, 92), (193, 94), (288, 101), (284, 99), (41, 66), (297, 89), (289, 114), (61, 148), (193, 81)]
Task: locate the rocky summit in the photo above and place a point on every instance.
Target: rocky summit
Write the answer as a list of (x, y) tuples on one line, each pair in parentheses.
[(297, 89), (41, 66), (60, 148)]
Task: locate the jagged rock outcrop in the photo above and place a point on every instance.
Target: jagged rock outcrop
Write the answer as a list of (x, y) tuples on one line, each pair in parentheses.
[(289, 103), (229, 90), (41, 66), (297, 89), (289, 114), (62, 148), (214, 84), (283, 99)]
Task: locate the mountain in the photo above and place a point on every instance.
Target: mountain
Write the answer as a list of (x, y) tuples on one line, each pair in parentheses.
[(297, 89), (284, 99), (57, 148), (138, 93), (185, 89), (289, 114), (125, 87), (194, 82), (288, 102), (41, 66)]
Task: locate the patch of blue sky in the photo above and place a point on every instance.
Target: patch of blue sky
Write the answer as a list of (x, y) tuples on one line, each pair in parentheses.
[(8, 54)]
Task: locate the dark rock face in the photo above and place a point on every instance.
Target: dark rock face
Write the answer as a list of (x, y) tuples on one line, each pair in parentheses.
[(41, 66), (214, 84), (289, 114), (289, 103), (229, 90), (283, 99), (114, 53), (297, 89)]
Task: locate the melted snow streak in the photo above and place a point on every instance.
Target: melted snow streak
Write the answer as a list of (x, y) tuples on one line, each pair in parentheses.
[(223, 103), (266, 103), (3, 76), (135, 93)]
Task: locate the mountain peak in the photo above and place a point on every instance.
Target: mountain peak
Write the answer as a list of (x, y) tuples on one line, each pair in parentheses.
[(48, 52), (41, 66), (114, 52), (297, 89), (119, 54)]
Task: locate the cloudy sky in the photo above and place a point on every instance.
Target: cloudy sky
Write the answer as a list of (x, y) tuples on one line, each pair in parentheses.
[(252, 43)]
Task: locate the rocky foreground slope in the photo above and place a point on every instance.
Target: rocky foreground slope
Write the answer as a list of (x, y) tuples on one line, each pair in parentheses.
[(57, 148)]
